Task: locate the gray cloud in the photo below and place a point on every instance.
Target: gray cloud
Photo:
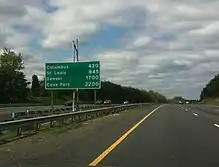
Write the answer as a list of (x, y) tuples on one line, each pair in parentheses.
[(174, 66)]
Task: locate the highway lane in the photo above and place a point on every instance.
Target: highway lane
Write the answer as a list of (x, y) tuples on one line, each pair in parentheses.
[(9, 112), (169, 136), (206, 112), (30, 108), (33, 108)]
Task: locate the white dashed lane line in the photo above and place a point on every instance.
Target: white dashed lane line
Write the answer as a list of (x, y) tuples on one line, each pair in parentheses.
[(216, 125), (195, 114)]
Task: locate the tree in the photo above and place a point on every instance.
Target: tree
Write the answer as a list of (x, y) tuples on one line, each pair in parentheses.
[(212, 89), (12, 81), (35, 87)]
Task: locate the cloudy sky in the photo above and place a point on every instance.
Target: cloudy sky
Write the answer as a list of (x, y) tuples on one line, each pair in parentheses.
[(171, 46)]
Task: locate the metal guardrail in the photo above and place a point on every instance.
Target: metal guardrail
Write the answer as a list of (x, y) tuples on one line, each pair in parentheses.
[(4, 116), (74, 116)]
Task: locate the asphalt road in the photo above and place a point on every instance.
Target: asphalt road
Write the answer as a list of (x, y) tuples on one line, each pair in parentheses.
[(171, 136)]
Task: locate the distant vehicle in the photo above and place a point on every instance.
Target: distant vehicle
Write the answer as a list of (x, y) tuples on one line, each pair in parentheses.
[(187, 102), (99, 102), (125, 102), (107, 102), (180, 102), (68, 103)]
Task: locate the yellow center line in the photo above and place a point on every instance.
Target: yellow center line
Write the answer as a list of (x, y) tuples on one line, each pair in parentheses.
[(116, 143)]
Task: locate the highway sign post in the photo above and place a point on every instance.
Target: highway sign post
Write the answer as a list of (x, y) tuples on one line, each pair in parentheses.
[(75, 57), (72, 75)]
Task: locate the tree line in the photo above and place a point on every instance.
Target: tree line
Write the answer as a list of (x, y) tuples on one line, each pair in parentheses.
[(110, 91), (211, 90), (15, 87)]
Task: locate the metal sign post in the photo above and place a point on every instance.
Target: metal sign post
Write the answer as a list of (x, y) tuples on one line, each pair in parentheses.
[(95, 96), (73, 101), (52, 101), (77, 59), (52, 106), (73, 91)]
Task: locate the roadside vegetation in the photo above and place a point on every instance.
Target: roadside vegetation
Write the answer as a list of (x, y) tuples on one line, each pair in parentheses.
[(16, 89), (210, 94)]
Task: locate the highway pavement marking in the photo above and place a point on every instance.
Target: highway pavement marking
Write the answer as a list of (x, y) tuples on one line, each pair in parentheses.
[(186, 109), (116, 143), (216, 125), (195, 114)]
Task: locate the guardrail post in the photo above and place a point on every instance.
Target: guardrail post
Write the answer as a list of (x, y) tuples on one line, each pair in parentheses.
[(63, 121), (141, 105), (51, 124), (79, 118), (19, 131), (87, 116), (37, 127), (113, 110), (93, 115)]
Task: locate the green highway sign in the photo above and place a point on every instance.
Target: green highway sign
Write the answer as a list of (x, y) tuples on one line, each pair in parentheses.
[(73, 75)]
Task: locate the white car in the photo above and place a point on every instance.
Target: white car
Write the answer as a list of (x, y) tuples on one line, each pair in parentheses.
[(125, 102)]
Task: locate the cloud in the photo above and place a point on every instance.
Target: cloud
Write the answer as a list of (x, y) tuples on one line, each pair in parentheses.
[(171, 45), (141, 42)]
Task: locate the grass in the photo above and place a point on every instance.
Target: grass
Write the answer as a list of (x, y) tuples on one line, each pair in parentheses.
[(65, 128), (60, 127), (211, 101)]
